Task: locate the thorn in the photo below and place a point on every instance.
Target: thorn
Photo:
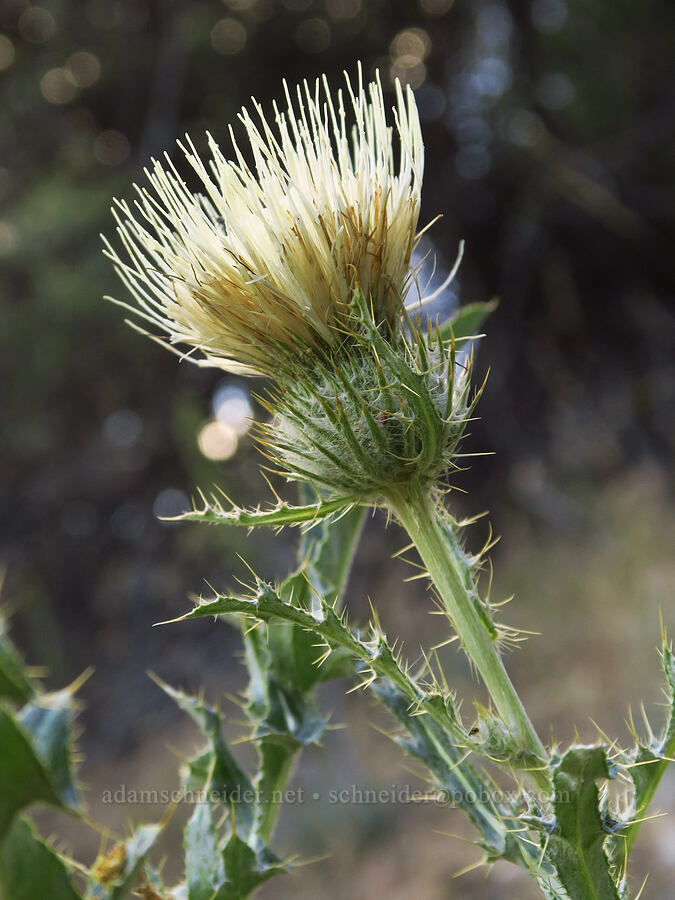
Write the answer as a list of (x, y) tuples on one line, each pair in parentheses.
[(650, 733), (271, 487), (642, 887), (450, 640), (457, 837), (229, 500), (647, 818), (248, 567), (418, 577), (470, 868), (648, 762), (403, 550)]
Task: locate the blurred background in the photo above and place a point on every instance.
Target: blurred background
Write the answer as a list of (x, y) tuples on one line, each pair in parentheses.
[(550, 135)]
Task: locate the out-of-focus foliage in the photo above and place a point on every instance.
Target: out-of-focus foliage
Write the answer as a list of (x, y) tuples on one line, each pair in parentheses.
[(37, 758), (38, 767)]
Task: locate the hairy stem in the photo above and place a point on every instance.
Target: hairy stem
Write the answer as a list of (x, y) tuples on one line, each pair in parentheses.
[(420, 516)]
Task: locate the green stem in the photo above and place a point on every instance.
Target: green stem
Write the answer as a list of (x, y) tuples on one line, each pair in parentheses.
[(420, 516), (271, 807)]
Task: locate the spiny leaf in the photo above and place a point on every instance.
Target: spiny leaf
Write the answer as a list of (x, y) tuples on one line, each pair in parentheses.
[(35, 743), (30, 869), (267, 606), (281, 659), (276, 707), (230, 871), (325, 554), (15, 686), (451, 771), (225, 776), (283, 719), (246, 869), (492, 814), (647, 763), (574, 838), (213, 512), (48, 719), (34, 767), (197, 770), (204, 867)]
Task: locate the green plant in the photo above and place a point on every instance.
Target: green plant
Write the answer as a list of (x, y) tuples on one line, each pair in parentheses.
[(299, 270)]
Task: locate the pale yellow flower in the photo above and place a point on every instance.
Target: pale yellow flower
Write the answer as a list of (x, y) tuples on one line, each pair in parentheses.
[(268, 258)]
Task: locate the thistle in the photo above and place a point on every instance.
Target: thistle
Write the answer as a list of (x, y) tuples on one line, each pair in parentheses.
[(300, 269)]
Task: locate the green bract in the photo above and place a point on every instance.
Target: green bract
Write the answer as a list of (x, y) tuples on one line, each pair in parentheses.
[(387, 408)]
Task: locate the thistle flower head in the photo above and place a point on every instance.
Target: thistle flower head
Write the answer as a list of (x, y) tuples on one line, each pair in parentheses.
[(386, 412), (265, 259)]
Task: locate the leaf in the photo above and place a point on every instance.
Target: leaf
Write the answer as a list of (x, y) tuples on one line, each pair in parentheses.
[(291, 713), (232, 872), (204, 868), (34, 768), (276, 706), (648, 762), (213, 512), (34, 742), (197, 770), (274, 768), (291, 656), (467, 788), (467, 320), (282, 660), (575, 838), (225, 775), (48, 720), (14, 684), (284, 716), (380, 661), (326, 551), (427, 712), (428, 743), (30, 869), (246, 869)]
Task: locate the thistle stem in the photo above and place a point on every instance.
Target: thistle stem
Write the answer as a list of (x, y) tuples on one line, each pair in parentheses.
[(419, 515), (273, 804)]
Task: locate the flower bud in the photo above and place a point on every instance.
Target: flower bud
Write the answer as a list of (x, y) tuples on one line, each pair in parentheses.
[(386, 409)]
